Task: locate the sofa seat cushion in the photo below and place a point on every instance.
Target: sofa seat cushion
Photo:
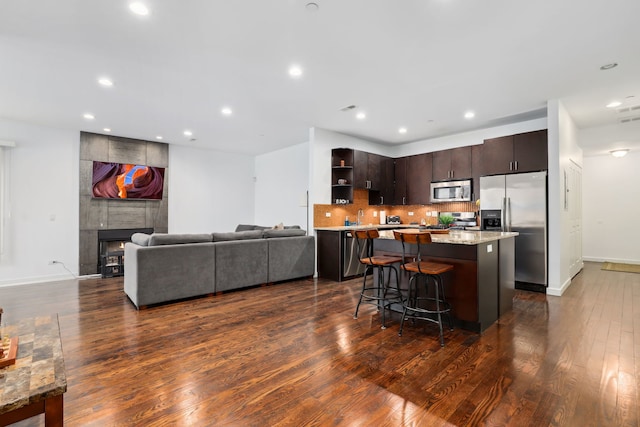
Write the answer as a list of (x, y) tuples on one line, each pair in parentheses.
[(157, 239), (238, 235)]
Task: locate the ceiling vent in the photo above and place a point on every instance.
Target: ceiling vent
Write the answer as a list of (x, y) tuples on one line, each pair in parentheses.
[(348, 108), (629, 119), (628, 110), (629, 114)]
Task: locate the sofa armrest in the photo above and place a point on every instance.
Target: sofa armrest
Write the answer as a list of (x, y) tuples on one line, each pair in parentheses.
[(155, 274)]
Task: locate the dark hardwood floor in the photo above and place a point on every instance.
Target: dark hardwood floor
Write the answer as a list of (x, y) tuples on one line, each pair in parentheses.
[(291, 354)]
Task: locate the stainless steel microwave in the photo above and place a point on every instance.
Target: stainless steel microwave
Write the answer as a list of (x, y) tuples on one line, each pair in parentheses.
[(451, 191)]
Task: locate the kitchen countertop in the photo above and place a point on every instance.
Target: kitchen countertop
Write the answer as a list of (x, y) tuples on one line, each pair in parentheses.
[(458, 237), (461, 237), (367, 226)]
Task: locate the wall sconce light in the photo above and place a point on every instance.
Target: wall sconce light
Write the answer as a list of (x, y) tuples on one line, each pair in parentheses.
[(619, 153)]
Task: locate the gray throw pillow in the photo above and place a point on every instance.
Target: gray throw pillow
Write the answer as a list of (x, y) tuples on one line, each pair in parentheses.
[(245, 227), (141, 239)]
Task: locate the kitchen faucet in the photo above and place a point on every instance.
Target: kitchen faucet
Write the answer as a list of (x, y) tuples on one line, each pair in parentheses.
[(359, 217)]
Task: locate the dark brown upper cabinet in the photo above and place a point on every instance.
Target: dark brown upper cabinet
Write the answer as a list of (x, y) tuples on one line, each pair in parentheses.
[(452, 164), (376, 174), (400, 178), (476, 170), (523, 152), (418, 179)]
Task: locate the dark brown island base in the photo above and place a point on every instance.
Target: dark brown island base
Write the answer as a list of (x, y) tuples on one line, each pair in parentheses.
[(481, 286)]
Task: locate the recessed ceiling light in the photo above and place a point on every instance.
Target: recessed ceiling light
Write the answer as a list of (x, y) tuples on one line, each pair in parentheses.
[(609, 66), (402, 130), (226, 111), (107, 129), (104, 81), (139, 8), (361, 116), (88, 116), (312, 7), (614, 104), (159, 137), (187, 133), (295, 71), (469, 115), (619, 153)]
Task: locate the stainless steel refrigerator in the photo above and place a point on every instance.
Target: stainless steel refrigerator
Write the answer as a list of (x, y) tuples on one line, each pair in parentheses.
[(518, 202)]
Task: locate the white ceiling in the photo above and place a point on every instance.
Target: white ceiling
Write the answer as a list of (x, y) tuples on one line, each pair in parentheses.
[(414, 63)]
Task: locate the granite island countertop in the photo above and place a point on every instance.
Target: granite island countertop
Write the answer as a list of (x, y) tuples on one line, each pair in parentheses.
[(461, 237), (458, 237)]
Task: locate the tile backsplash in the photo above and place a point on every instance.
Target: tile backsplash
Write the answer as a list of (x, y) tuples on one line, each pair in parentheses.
[(338, 213)]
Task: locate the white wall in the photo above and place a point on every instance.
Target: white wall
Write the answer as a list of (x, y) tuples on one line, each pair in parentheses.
[(610, 207), (42, 203), (563, 148), (282, 182), (209, 190)]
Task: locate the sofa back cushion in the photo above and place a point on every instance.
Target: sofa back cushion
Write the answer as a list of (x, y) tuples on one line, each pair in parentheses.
[(238, 235), (287, 232), (157, 239)]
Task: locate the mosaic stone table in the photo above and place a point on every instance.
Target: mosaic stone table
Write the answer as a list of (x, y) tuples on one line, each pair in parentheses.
[(37, 381)]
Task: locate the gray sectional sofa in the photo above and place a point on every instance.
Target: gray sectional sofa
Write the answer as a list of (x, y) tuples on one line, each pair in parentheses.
[(166, 267)]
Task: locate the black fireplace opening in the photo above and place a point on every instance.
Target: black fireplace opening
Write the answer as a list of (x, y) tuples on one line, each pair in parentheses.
[(111, 249)]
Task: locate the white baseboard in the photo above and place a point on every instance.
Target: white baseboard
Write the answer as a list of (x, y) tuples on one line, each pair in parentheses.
[(44, 279), (557, 292), (616, 260)]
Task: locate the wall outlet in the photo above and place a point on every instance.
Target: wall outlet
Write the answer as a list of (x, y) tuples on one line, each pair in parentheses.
[(410, 213), (327, 214), (375, 214)]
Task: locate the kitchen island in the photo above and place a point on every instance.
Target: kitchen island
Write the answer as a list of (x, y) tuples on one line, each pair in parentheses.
[(481, 286)]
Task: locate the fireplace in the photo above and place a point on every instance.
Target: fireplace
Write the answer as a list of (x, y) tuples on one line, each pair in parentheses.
[(111, 249)]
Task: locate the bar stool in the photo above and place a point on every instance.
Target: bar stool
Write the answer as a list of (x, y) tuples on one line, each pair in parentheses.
[(432, 304), (381, 295)]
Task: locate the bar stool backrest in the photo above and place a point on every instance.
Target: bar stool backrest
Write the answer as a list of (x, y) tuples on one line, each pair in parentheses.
[(364, 240), (418, 239)]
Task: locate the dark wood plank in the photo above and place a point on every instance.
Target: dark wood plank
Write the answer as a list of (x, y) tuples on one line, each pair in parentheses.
[(291, 354)]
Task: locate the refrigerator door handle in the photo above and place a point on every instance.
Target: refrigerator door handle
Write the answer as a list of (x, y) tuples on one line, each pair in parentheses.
[(503, 215), (508, 215)]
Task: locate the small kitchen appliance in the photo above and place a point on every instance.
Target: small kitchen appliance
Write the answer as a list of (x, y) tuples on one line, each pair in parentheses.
[(393, 219)]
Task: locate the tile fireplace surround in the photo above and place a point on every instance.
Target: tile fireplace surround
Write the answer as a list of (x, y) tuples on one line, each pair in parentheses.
[(98, 215)]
